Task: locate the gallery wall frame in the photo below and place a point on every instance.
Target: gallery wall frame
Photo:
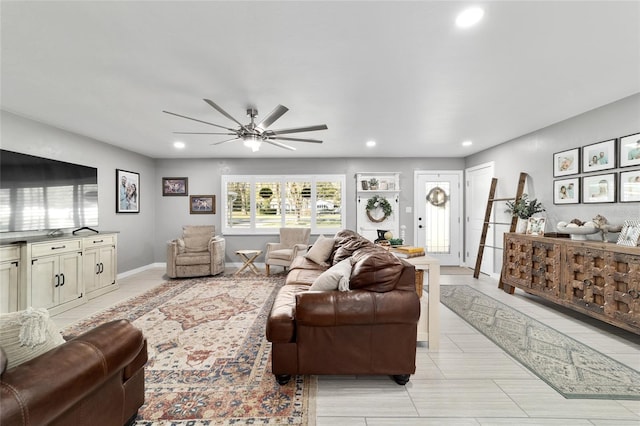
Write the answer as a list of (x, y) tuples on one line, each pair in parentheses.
[(566, 163), (175, 186), (566, 191), (127, 191), (630, 186), (629, 149), (599, 156), (202, 204), (599, 188)]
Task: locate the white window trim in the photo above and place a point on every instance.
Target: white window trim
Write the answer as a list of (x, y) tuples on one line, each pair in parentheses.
[(282, 179)]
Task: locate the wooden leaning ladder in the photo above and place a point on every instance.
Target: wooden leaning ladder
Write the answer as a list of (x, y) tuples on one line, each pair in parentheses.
[(487, 219)]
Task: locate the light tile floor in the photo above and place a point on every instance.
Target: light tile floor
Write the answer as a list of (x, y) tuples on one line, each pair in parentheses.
[(469, 381)]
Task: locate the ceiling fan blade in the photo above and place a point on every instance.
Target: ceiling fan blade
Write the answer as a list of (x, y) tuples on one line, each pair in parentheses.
[(281, 145), (202, 133), (228, 140), (297, 130), (272, 117), (199, 121), (223, 112), (297, 139)]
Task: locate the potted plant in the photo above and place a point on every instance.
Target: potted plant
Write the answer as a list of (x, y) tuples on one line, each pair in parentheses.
[(373, 184), (523, 209)]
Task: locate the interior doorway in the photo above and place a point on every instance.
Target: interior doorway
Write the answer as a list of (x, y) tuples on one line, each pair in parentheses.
[(438, 227), (477, 185)]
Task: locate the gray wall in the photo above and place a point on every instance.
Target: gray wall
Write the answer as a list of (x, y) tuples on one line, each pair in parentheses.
[(204, 178), (136, 231), (533, 154)]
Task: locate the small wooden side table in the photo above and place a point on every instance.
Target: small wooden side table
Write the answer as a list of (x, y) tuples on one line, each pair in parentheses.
[(248, 256)]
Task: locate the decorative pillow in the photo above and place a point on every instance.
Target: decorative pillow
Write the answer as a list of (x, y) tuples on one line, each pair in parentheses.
[(321, 250), (334, 278), (26, 334), (196, 243)]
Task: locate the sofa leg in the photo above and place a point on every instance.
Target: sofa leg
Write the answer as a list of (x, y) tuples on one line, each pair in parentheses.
[(266, 267), (401, 379), (283, 379)]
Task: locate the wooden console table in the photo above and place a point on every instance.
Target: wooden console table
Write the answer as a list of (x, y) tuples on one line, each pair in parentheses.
[(429, 322), (598, 279)]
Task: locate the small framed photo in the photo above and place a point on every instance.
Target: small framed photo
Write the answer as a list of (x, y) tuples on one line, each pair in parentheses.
[(599, 156), (566, 191), (630, 233), (630, 150), (127, 192), (599, 188), (630, 186), (175, 186), (566, 162), (535, 226), (202, 204)]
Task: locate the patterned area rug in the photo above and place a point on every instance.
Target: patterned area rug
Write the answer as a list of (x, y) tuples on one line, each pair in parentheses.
[(568, 366), (209, 360)]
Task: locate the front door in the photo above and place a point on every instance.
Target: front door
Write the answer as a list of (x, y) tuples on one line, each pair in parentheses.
[(438, 214)]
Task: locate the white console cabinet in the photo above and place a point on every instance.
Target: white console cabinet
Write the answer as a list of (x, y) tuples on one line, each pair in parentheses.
[(9, 278), (99, 264), (57, 273)]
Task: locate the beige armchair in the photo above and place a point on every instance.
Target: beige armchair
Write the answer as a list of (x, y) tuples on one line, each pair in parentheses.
[(293, 242), (197, 253)]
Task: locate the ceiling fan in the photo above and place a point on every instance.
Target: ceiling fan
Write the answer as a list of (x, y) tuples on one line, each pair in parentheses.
[(253, 134)]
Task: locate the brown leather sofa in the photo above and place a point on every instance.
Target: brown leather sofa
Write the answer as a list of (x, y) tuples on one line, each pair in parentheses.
[(94, 379), (369, 330)]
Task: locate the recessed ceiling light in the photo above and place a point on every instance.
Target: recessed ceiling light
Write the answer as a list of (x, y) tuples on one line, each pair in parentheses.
[(467, 143), (469, 17), (371, 144), (178, 145)]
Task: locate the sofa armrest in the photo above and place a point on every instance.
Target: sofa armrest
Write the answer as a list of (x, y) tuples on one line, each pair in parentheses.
[(335, 308), (44, 387)]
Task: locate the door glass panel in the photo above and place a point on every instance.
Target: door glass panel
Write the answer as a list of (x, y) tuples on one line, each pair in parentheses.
[(438, 217)]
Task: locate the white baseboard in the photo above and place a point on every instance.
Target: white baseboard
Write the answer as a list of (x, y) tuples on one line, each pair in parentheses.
[(142, 269)]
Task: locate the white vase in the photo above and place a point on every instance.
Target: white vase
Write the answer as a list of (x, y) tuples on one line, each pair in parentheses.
[(521, 226)]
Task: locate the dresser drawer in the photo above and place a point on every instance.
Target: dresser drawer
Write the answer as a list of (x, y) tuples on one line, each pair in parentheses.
[(99, 240), (55, 247), (9, 253)]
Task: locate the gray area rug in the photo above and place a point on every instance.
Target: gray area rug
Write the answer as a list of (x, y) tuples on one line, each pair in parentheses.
[(570, 367)]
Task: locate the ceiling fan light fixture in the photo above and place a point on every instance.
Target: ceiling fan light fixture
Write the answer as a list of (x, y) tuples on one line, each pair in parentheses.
[(252, 141)]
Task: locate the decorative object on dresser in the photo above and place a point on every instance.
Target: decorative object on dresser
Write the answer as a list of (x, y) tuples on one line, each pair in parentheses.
[(535, 226), (523, 208), (598, 279), (630, 233), (175, 186)]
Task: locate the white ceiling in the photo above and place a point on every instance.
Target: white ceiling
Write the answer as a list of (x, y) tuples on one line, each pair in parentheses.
[(397, 72)]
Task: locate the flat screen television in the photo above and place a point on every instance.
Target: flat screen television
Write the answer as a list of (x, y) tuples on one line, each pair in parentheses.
[(42, 194)]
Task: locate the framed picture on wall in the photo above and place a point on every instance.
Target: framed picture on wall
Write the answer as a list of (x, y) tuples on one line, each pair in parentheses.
[(630, 186), (566, 162), (202, 204), (175, 186), (599, 156), (127, 191), (566, 191), (630, 150), (599, 188)]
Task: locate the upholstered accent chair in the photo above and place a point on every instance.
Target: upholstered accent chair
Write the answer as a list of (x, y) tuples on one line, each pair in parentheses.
[(199, 252), (293, 242)]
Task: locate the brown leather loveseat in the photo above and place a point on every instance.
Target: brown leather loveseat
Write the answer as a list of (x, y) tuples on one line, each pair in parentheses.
[(94, 379), (371, 329)]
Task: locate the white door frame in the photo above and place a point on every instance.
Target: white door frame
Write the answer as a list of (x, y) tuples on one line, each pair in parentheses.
[(417, 201), (488, 259)]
